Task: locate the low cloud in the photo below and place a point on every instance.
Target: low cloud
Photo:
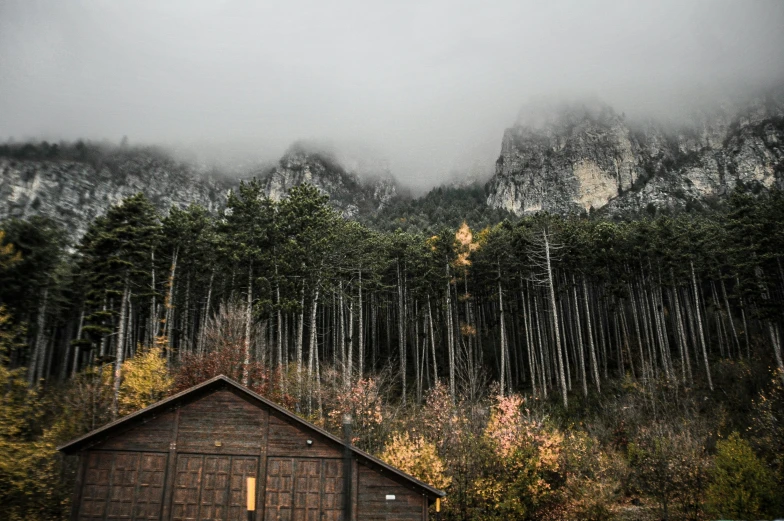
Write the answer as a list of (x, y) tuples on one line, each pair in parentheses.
[(425, 88)]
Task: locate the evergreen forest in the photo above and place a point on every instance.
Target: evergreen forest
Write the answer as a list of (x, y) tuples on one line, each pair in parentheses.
[(544, 367)]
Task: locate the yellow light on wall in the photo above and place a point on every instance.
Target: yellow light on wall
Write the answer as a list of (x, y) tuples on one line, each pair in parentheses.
[(438, 504), (251, 494)]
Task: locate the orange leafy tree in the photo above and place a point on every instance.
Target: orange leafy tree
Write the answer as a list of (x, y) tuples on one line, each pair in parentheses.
[(363, 401), (523, 467), (229, 360)]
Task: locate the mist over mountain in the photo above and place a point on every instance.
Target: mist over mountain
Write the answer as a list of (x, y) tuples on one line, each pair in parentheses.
[(584, 156), (427, 87), (579, 156)]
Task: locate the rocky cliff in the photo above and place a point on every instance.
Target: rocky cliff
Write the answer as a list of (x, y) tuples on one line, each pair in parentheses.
[(351, 195), (73, 189), (577, 157), (581, 157), (73, 184)]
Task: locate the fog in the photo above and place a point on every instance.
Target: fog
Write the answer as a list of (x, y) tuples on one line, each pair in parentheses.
[(425, 87)]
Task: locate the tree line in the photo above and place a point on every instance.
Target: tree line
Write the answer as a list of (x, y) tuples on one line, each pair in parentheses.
[(545, 305), (466, 357)]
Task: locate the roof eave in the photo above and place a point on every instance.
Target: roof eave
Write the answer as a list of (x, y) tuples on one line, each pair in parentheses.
[(77, 444)]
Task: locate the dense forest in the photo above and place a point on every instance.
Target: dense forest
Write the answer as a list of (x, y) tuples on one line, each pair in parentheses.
[(537, 368), (448, 205)]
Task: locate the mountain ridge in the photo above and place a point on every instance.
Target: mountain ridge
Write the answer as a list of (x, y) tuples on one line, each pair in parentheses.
[(569, 157), (583, 157)]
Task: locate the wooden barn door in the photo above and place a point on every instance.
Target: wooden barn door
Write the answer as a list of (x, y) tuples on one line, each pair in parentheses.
[(124, 486), (304, 489), (211, 487)]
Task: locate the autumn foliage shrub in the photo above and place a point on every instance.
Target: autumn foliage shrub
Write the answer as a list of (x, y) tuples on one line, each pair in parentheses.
[(741, 486), (363, 402), (145, 380), (670, 464), (229, 361), (418, 457), (29, 465), (524, 467)]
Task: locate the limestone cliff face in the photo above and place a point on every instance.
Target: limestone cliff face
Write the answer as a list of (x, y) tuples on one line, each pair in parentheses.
[(74, 192), (578, 157), (348, 193)]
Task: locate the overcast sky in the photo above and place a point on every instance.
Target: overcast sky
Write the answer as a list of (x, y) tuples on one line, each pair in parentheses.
[(428, 85)]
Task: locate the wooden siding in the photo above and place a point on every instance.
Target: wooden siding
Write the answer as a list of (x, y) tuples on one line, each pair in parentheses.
[(222, 423), (151, 436), (189, 462), (286, 439), (372, 504), (122, 485), (304, 489), (210, 487)]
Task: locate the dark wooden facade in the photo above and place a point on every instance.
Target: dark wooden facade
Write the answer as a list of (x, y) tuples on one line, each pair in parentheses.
[(187, 458)]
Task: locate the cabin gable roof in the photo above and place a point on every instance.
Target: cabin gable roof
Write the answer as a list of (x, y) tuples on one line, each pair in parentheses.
[(118, 427)]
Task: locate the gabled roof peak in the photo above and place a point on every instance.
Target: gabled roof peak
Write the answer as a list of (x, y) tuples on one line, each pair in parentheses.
[(112, 428)]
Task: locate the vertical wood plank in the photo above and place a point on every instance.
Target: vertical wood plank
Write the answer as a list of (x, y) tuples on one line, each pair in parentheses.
[(261, 478), (77, 495), (321, 474), (354, 490), (171, 468)]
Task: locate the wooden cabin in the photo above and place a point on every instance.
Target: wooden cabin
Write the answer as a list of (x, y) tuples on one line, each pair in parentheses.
[(190, 457)]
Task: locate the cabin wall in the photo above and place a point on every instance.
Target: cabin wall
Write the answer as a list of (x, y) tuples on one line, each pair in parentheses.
[(221, 423), (154, 435), (286, 439), (375, 503), (192, 462)]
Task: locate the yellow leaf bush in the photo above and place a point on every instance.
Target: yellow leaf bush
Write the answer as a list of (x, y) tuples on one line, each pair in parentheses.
[(418, 457)]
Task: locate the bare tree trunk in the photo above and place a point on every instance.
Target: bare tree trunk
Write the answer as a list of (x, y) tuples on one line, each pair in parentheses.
[(450, 337), (206, 314), (401, 332), (692, 325), (153, 306), (644, 368), (417, 358), (542, 357), (361, 332), (773, 329), (554, 305), (39, 351), (248, 325), (579, 338), (503, 331), (432, 341), (75, 367), (300, 333), (649, 341), (118, 361), (775, 339), (313, 352), (168, 304), (184, 341), (745, 329), (349, 376), (342, 336), (699, 324), (681, 335), (729, 315), (591, 346), (104, 337), (529, 344), (281, 365)]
